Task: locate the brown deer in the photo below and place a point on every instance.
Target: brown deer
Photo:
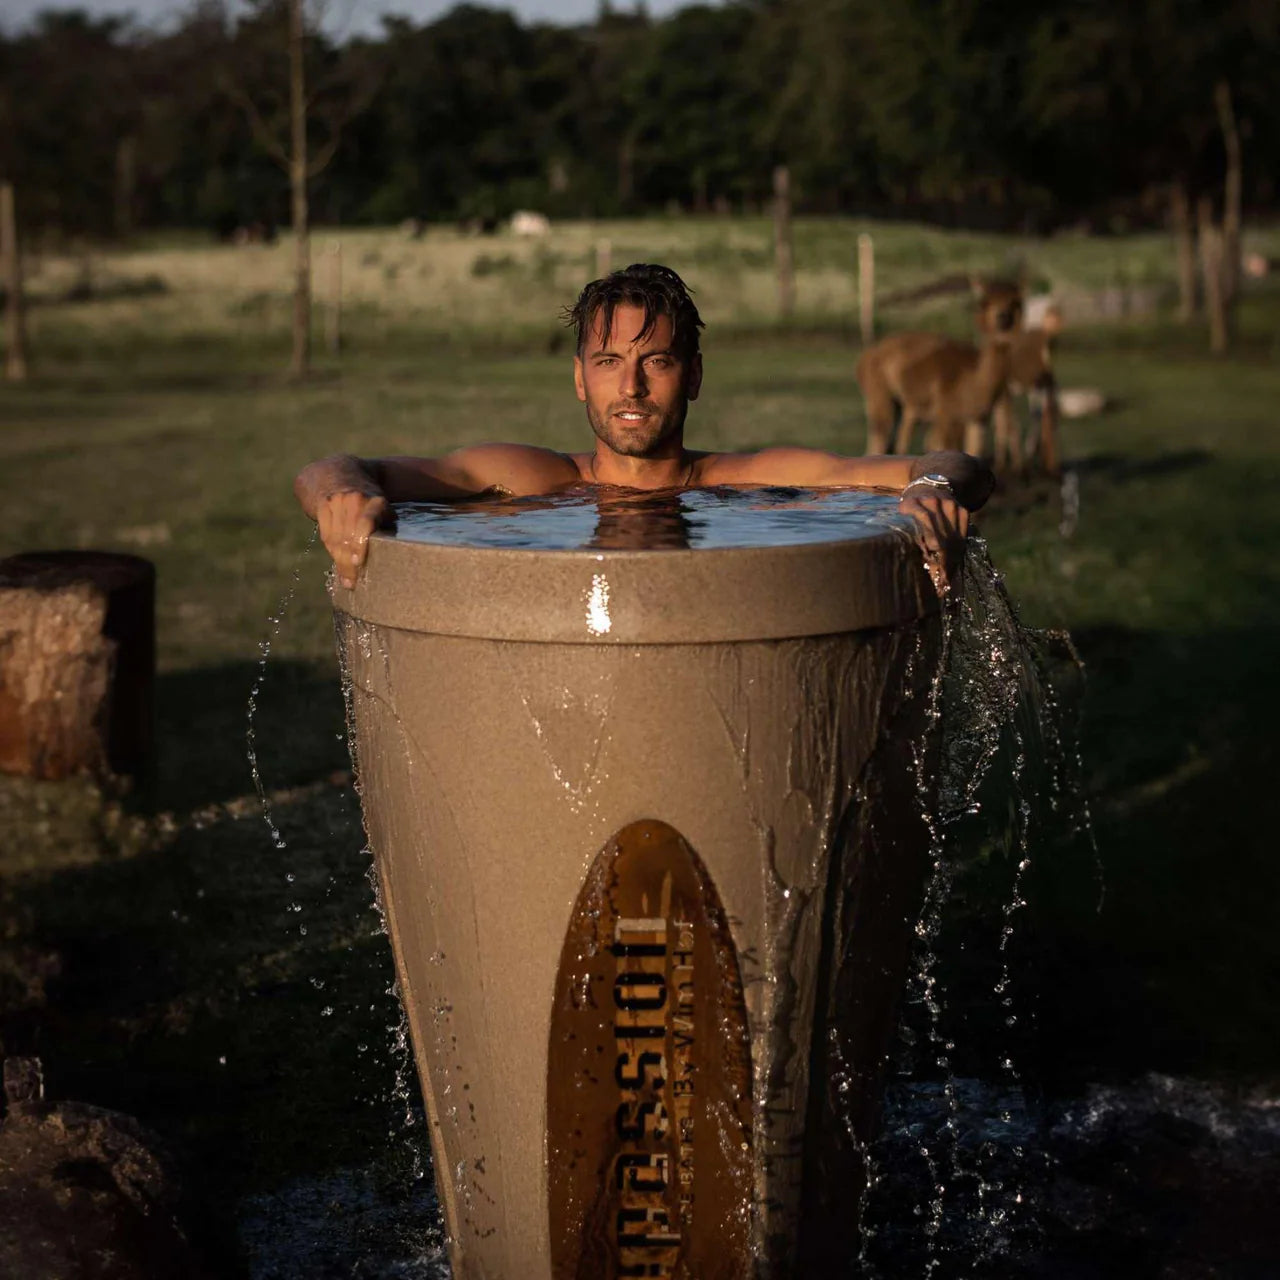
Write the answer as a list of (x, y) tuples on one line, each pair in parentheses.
[(929, 377), (1030, 374)]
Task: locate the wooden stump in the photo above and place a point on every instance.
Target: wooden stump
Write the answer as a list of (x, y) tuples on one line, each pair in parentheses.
[(77, 663)]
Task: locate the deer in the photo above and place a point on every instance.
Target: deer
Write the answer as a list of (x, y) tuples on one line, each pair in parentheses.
[(930, 377), (1030, 374)]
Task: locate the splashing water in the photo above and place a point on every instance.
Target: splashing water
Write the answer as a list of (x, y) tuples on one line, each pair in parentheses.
[(264, 652), (1003, 772)]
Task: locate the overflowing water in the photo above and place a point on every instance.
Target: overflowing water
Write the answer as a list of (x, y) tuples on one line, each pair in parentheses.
[(972, 1174)]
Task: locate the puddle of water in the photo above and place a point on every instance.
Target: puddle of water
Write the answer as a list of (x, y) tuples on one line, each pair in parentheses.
[(365, 1223)]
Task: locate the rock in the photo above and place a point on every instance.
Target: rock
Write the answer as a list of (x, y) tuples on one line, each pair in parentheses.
[(1036, 308), (85, 1193), (524, 222), (1258, 266), (1080, 402)]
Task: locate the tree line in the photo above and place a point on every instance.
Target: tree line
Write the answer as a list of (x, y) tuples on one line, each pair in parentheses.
[(969, 112)]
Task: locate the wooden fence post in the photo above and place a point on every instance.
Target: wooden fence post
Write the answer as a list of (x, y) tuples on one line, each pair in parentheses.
[(1233, 187), (333, 312), (1211, 273), (783, 258), (1185, 248), (867, 288), (15, 327)]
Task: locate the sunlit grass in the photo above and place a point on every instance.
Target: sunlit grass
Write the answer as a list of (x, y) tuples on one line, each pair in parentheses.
[(505, 286)]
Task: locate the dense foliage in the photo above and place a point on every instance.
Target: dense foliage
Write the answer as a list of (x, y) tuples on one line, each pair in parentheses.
[(984, 112)]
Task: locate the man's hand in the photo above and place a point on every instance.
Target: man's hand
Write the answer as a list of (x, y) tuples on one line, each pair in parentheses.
[(346, 520), (942, 525), (343, 496)]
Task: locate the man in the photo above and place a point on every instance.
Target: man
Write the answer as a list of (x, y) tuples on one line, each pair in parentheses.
[(637, 367)]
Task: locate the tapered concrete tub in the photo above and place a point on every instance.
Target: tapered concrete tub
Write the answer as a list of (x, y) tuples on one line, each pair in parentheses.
[(643, 779)]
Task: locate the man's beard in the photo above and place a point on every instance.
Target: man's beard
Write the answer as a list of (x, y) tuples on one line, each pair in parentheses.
[(643, 438)]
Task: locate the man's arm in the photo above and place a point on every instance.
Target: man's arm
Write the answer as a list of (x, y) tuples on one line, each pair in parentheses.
[(971, 481), (941, 515), (350, 497)]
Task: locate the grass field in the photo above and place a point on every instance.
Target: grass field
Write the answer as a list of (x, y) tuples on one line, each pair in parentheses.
[(152, 952)]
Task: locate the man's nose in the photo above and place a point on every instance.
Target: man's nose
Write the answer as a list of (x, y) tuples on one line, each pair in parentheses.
[(633, 381)]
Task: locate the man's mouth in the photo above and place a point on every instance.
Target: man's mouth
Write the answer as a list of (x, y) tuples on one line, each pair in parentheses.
[(632, 414)]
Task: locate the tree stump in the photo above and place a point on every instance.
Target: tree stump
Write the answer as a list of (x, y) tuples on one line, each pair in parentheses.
[(77, 663)]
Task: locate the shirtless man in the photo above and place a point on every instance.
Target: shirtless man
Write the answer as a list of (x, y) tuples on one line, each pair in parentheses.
[(636, 369)]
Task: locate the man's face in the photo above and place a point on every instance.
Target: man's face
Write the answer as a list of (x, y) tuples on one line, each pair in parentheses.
[(636, 392)]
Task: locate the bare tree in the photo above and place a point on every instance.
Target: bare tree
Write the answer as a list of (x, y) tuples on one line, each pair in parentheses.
[(299, 160), (15, 349), (299, 172), (126, 184), (783, 259), (1211, 268), (1233, 187)]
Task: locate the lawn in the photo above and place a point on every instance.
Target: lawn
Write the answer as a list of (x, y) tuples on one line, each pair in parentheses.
[(153, 947)]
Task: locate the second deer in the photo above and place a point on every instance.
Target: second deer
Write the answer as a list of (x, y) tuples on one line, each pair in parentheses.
[(1030, 374)]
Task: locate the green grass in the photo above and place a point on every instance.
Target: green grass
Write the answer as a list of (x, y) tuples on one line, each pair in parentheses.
[(140, 951)]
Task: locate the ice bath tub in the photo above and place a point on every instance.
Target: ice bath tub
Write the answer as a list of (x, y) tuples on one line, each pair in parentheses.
[(643, 781)]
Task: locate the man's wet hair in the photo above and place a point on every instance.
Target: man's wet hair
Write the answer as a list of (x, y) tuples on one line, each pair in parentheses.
[(658, 290)]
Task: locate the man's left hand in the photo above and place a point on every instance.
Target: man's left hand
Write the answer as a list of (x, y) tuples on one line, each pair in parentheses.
[(942, 525)]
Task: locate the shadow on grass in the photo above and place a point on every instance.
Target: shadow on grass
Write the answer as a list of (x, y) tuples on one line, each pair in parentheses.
[(1157, 953), (1120, 467), (202, 722), (231, 995), (1176, 971)]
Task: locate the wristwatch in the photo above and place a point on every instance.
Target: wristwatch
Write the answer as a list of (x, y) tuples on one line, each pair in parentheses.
[(933, 480)]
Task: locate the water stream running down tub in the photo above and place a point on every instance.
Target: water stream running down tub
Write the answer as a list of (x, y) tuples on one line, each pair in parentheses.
[(971, 1175)]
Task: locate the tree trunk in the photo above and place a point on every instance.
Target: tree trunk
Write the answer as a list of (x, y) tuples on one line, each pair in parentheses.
[(1232, 193), (77, 663), (300, 363), (782, 251), (15, 324), (626, 171), (1185, 248), (126, 184), (333, 312), (1211, 273)]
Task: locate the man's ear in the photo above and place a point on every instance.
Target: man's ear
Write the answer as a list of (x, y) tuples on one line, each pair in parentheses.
[(578, 384), (694, 383)]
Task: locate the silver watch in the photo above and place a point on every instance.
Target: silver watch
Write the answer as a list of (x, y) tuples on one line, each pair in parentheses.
[(933, 480)]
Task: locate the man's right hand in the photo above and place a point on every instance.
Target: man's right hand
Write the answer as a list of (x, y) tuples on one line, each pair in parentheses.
[(343, 496), (346, 520)]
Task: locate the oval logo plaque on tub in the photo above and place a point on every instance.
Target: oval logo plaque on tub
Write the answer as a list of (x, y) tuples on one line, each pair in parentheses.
[(649, 1074)]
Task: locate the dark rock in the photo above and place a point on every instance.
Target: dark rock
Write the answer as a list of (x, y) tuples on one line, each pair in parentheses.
[(85, 1193)]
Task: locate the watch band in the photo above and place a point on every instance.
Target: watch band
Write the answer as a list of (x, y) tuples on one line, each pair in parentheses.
[(931, 480)]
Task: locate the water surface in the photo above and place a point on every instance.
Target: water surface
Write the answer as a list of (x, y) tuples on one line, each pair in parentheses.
[(594, 518)]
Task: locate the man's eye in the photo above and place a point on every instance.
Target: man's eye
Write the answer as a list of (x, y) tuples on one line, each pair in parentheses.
[(660, 362)]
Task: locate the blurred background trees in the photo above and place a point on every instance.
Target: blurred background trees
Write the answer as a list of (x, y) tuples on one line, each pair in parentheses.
[(975, 112)]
